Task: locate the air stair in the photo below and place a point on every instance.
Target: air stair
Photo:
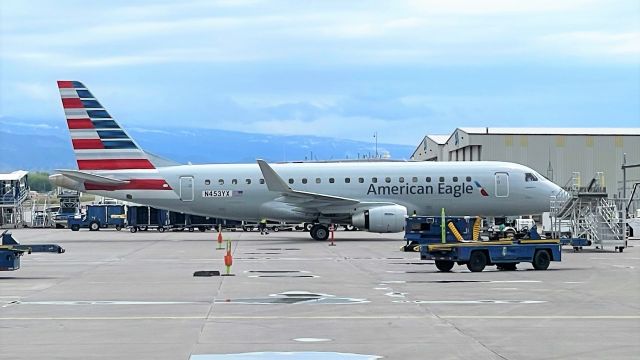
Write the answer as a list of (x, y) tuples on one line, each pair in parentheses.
[(590, 213)]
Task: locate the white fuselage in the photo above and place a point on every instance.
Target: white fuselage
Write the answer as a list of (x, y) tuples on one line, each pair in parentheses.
[(235, 191)]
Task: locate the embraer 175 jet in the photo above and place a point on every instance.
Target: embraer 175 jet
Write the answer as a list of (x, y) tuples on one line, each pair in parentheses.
[(371, 195)]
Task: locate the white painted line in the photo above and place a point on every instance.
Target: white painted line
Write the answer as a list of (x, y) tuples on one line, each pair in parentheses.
[(464, 302), (311, 340), (574, 282), (382, 317)]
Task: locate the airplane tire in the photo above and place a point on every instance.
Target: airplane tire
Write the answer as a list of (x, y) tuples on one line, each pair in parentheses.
[(541, 260), (477, 261), (444, 265), (319, 232), (161, 229)]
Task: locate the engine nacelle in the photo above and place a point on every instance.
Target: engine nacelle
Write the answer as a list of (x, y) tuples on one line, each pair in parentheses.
[(381, 219)]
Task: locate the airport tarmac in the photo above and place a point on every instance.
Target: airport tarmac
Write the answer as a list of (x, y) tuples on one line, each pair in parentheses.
[(133, 296)]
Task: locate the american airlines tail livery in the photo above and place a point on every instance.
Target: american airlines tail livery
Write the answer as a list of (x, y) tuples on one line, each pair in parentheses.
[(372, 195)]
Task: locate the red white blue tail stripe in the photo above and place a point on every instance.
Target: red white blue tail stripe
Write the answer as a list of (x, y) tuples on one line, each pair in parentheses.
[(98, 141), (102, 146)]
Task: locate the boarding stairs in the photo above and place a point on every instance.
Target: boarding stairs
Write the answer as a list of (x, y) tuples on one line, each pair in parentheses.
[(592, 215)]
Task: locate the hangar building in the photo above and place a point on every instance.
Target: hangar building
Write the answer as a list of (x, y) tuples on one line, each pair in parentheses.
[(553, 152)]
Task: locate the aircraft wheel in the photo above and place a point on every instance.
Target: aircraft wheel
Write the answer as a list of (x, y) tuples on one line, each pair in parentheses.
[(444, 265), (319, 232), (190, 229), (477, 261), (161, 229), (350, 228), (541, 260)]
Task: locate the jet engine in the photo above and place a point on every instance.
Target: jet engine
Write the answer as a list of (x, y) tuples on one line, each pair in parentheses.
[(381, 219)]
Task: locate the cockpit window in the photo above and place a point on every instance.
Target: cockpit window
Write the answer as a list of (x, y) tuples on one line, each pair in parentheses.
[(530, 177)]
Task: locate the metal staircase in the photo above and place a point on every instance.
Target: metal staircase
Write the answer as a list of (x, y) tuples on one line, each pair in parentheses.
[(592, 215)]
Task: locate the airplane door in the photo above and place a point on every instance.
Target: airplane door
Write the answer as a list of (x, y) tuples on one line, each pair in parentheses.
[(186, 188), (502, 184)]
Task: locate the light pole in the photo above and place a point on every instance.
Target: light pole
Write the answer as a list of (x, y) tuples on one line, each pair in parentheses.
[(375, 136)]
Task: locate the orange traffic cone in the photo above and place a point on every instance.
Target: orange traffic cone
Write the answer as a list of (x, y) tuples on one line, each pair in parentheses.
[(219, 238), (228, 259)]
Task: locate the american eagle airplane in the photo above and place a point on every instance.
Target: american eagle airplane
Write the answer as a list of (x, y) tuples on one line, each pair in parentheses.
[(372, 195)]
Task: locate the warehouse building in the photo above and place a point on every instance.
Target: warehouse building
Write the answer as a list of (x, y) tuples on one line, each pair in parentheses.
[(557, 153)]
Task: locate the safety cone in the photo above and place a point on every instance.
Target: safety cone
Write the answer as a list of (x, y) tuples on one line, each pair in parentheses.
[(228, 259), (219, 238), (332, 229)]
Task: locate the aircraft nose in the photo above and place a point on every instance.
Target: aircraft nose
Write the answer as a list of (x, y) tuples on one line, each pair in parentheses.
[(557, 191)]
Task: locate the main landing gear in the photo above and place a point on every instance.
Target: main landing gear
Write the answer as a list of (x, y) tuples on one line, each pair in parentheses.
[(319, 232)]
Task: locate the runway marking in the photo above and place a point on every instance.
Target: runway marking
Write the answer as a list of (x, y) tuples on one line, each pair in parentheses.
[(465, 302), (382, 317)]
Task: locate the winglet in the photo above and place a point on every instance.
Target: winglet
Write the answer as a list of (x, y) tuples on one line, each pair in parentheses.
[(272, 179)]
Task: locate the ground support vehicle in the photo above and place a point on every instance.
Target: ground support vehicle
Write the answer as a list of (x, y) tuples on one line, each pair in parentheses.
[(143, 218), (11, 251), (98, 217), (456, 240)]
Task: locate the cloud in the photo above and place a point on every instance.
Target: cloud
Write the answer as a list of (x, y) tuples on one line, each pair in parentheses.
[(620, 46)]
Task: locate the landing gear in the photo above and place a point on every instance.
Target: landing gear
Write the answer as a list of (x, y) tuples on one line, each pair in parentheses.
[(319, 232)]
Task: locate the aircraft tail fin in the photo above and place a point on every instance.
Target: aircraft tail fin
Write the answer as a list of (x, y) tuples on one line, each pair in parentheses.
[(99, 142)]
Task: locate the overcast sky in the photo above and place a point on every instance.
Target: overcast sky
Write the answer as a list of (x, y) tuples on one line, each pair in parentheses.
[(331, 68)]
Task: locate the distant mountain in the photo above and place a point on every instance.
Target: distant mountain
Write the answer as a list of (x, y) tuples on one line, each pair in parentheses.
[(39, 146)]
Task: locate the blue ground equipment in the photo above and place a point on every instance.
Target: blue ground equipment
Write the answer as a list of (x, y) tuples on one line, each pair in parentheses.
[(146, 217), (97, 217), (458, 242), (11, 251)]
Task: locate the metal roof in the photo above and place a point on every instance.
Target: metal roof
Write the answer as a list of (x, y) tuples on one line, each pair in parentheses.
[(439, 139), (16, 175), (551, 131)]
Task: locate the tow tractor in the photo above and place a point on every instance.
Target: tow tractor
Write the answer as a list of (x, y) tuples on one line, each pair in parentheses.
[(11, 251), (456, 240)]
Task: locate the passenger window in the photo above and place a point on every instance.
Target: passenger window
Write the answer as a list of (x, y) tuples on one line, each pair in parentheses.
[(207, 182), (304, 180), (318, 180), (414, 179), (387, 179), (220, 182), (428, 178), (361, 180), (290, 181), (347, 180), (441, 178), (261, 181), (455, 179), (401, 179), (468, 178), (331, 180), (530, 177), (248, 181), (374, 179), (234, 181)]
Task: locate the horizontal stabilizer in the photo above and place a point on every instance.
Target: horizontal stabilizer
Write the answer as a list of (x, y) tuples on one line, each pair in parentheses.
[(82, 176)]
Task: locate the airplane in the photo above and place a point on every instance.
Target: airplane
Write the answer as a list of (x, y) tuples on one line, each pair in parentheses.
[(375, 196)]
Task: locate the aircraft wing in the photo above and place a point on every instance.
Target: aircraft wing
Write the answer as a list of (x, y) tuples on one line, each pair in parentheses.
[(82, 176), (299, 198)]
